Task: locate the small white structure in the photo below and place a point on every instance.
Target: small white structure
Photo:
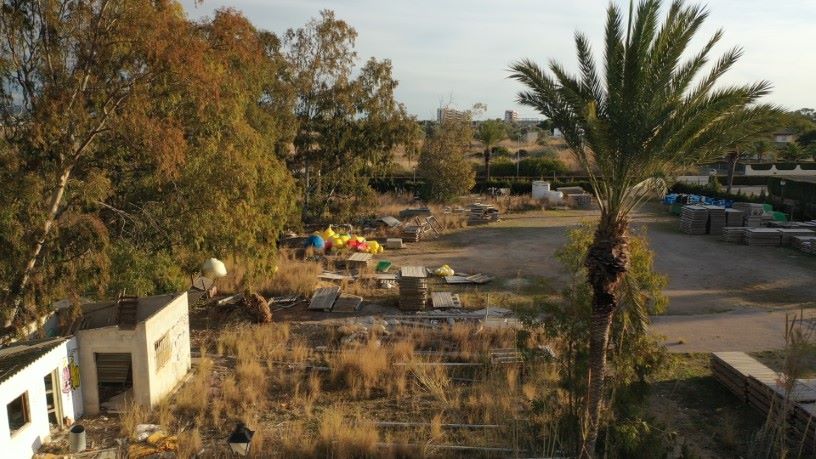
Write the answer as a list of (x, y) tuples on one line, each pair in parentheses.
[(40, 391), (133, 349)]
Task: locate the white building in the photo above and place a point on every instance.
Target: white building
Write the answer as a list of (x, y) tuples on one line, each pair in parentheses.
[(510, 116), (40, 390), (133, 349)]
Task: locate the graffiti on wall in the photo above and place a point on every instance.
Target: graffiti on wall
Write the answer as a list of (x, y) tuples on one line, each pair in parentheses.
[(70, 374)]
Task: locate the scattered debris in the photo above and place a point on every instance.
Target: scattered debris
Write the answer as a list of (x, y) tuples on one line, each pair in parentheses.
[(358, 260), (383, 266), (418, 212), (445, 300), (479, 214), (258, 307), (323, 298), (389, 221), (347, 303), (461, 278), (332, 276), (393, 243)]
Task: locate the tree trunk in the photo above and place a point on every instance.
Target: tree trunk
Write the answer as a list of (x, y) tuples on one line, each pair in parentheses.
[(732, 167), (17, 293), (487, 163), (607, 262)]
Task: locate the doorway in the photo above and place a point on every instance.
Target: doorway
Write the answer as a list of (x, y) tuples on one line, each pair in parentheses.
[(53, 400), (114, 376)]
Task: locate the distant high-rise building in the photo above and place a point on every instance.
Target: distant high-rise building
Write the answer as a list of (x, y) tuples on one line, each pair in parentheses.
[(446, 113), (510, 116)]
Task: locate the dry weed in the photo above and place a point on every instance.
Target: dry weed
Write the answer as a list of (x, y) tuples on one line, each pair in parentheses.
[(341, 438), (133, 415), (189, 444), (360, 369)]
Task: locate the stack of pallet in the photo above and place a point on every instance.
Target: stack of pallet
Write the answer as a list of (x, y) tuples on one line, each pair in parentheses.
[(760, 387), (694, 219), (789, 233), (755, 214), (763, 237), (413, 288), (734, 217), (806, 244), (732, 369), (733, 234), (479, 214), (716, 219), (581, 200), (412, 233)]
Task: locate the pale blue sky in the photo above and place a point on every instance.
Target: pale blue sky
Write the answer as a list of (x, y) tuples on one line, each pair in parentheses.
[(458, 50)]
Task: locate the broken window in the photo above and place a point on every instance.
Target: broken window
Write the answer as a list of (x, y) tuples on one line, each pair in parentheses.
[(162, 348), (18, 415)]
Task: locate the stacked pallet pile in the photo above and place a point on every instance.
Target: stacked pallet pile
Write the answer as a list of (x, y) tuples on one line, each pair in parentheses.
[(763, 237), (716, 219), (733, 234), (789, 233), (480, 214), (412, 233), (762, 388), (734, 217), (755, 214), (732, 369), (413, 288), (694, 219), (806, 244)]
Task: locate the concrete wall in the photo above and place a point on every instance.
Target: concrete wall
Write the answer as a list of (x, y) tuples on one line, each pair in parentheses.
[(149, 383), (28, 439), (171, 323), (797, 171), (108, 340)]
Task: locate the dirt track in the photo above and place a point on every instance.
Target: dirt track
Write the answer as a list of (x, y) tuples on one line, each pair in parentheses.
[(722, 296)]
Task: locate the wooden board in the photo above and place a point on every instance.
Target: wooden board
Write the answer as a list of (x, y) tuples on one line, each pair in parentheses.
[(445, 300), (323, 298), (335, 276), (393, 243), (347, 303), (414, 271)]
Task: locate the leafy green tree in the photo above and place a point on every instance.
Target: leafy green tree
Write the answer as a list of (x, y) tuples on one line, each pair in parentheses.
[(442, 164), (71, 74), (641, 118), (791, 151), (347, 127), (490, 132)]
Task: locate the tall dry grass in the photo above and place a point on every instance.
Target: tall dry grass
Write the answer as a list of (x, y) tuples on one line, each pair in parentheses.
[(341, 435)]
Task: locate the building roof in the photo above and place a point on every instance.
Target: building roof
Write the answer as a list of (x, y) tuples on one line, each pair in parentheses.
[(15, 357), (109, 313)]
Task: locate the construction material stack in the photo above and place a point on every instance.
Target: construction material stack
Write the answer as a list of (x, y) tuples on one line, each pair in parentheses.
[(694, 219), (763, 237), (413, 288), (716, 219), (733, 234), (479, 214), (734, 217), (806, 244), (789, 233), (755, 214)]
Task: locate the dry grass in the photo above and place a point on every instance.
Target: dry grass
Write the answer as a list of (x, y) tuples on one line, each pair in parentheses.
[(293, 277), (342, 436), (189, 444), (270, 377), (133, 415)]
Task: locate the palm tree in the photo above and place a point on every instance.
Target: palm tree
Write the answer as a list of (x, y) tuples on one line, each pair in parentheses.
[(490, 133), (640, 119)]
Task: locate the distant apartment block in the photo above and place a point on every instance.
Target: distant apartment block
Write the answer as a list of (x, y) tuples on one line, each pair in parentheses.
[(443, 114), (510, 116), (784, 136)]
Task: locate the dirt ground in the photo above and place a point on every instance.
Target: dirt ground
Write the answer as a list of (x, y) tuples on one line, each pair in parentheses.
[(721, 296)]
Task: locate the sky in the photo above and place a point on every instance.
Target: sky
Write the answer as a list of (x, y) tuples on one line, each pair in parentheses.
[(456, 52)]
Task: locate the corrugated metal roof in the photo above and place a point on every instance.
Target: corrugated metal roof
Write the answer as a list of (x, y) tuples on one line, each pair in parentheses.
[(17, 356)]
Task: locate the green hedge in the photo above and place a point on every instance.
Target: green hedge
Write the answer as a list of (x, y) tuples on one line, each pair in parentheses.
[(745, 180), (527, 167)]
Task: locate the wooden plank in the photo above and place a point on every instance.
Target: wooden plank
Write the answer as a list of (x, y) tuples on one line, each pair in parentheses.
[(441, 300), (335, 276), (347, 303), (414, 271), (360, 257), (323, 298)]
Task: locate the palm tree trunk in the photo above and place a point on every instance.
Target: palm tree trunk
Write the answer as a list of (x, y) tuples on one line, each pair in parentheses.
[(732, 167), (607, 261)]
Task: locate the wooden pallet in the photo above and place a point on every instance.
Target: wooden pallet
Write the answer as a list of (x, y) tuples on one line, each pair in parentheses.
[(445, 300), (323, 299)]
